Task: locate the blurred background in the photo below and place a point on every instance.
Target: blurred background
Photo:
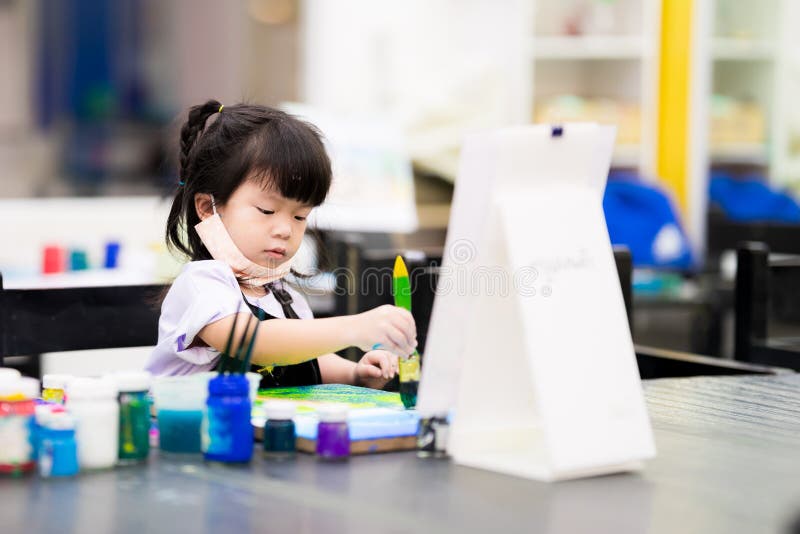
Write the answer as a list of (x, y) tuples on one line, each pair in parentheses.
[(702, 93)]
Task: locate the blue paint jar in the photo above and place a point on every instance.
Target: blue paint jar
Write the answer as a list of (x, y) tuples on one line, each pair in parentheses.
[(58, 450), (112, 255), (179, 431), (280, 437), (40, 414), (180, 402), (227, 434)]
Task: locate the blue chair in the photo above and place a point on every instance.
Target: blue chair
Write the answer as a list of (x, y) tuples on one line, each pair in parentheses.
[(641, 217)]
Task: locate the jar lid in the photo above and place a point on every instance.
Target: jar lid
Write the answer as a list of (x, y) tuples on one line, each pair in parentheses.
[(132, 380), (7, 373), (21, 388), (91, 388), (42, 412), (279, 410), (30, 387), (56, 381), (333, 413), (60, 421), (230, 384)]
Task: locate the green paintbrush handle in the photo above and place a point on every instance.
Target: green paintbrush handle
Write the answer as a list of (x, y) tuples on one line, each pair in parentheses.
[(402, 293)]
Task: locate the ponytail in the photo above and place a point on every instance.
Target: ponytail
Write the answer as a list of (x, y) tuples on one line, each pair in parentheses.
[(191, 130), (182, 205)]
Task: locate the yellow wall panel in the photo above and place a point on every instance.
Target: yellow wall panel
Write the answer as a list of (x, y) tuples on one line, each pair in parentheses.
[(673, 100)]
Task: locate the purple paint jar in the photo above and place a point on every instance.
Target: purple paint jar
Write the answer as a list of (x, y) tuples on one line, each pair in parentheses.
[(333, 437)]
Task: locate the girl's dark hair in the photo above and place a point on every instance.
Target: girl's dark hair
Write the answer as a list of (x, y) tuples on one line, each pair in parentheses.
[(246, 141)]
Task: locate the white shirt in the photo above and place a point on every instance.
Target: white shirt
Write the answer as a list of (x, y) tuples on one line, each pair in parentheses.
[(204, 292)]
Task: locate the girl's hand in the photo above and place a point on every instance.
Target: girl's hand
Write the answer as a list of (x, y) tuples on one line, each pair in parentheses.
[(375, 369), (387, 327)]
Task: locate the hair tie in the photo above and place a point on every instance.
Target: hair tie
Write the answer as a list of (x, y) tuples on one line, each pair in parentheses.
[(220, 108)]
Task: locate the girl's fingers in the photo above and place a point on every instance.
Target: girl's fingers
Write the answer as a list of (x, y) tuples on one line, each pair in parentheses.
[(373, 371), (399, 341), (381, 363), (409, 343), (382, 359), (407, 325), (406, 317)]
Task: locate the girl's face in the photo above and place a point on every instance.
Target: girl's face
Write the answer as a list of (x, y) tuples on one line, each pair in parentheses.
[(266, 226)]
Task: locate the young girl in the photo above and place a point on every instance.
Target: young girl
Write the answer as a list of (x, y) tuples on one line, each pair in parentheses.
[(248, 181)]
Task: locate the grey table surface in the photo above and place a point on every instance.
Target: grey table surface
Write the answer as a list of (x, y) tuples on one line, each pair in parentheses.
[(728, 461)]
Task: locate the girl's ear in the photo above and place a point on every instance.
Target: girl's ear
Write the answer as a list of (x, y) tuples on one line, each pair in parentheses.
[(204, 206)]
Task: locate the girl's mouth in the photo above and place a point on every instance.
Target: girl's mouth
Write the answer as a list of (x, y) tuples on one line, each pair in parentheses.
[(277, 253)]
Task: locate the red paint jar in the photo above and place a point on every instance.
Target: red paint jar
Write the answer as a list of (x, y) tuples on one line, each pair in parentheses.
[(17, 425)]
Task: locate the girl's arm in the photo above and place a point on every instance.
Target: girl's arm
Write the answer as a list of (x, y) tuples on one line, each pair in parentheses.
[(374, 370), (291, 341), (336, 370)]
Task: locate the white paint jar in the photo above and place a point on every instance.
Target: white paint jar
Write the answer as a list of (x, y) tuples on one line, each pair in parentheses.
[(93, 403)]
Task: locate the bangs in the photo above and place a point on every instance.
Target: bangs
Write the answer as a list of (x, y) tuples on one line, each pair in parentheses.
[(290, 158)]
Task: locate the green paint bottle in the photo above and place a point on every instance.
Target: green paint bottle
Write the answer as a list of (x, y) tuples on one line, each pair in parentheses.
[(134, 416)]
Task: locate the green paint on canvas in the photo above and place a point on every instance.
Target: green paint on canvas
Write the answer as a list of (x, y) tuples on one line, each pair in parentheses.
[(308, 398)]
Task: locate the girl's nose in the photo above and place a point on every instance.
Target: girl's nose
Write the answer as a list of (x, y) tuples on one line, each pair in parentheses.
[(282, 230)]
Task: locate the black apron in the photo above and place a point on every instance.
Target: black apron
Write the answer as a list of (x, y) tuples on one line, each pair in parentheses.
[(301, 374)]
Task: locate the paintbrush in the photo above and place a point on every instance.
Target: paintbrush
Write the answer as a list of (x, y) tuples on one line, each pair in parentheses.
[(401, 288), (248, 356), (408, 365), (225, 356), (241, 349)]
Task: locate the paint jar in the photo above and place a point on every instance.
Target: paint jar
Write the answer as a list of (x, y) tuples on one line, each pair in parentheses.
[(333, 435), (432, 436), (53, 260), (180, 402), (280, 438), (7, 373), (134, 415), (93, 403), (78, 260), (408, 371), (53, 387), (111, 255), (58, 449), (40, 414), (253, 380), (17, 424), (227, 430)]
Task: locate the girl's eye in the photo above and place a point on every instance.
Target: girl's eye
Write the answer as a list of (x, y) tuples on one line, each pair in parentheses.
[(300, 218), (265, 212)]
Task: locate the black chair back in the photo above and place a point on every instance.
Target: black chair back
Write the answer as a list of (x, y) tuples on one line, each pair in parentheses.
[(764, 286)]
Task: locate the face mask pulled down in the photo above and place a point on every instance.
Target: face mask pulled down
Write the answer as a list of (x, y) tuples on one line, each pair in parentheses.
[(219, 244)]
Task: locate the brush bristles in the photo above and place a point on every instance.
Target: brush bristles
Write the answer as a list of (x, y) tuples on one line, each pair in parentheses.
[(236, 359)]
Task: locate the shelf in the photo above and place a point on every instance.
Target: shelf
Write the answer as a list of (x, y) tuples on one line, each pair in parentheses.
[(85, 278), (742, 49), (595, 47), (739, 153), (613, 74)]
